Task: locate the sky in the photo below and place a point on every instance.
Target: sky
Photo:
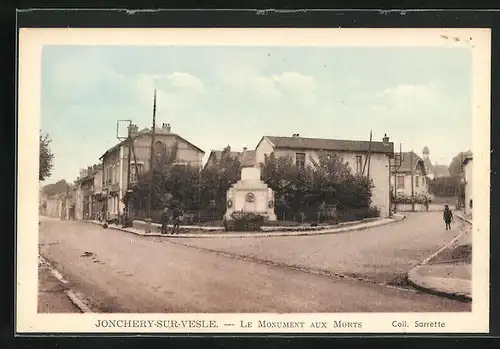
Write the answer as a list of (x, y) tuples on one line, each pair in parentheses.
[(228, 95)]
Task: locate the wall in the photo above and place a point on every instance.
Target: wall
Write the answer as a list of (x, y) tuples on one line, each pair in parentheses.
[(262, 149), (79, 203), (98, 181), (54, 206), (468, 188)]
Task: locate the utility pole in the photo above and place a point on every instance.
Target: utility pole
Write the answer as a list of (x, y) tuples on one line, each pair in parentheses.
[(369, 156), (394, 167), (151, 160), (412, 188)]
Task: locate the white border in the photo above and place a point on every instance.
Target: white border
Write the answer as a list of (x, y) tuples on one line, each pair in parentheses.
[(31, 42)]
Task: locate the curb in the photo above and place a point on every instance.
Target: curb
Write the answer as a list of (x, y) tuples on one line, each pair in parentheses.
[(73, 296), (352, 227), (413, 280), (463, 218)]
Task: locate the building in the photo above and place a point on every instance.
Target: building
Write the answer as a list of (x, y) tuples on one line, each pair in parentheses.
[(467, 180), (121, 167), (86, 197), (433, 171), (98, 199), (411, 177), (245, 157), (54, 206), (305, 151), (60, 205)]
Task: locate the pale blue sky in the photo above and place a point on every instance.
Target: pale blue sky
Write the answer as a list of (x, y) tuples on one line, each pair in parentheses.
[(215, 96)]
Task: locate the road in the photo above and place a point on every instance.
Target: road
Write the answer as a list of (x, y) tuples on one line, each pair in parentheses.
[(381, 254), (121, 272)]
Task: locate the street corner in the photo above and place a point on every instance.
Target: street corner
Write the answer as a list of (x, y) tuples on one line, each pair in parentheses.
[(446, 280)]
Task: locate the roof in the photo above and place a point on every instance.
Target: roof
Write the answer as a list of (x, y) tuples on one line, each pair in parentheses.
[(410, 159), (467, 160), (246, 158), (146, 131), (330, 144)]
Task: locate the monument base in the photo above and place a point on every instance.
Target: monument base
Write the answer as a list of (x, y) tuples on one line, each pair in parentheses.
[(250, 195)]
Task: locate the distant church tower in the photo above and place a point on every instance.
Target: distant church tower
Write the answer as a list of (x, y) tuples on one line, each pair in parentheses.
[(426, 152), (427, 163)]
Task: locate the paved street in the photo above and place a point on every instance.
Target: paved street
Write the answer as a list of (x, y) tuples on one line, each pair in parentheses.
[(121, 272), (382, 254)]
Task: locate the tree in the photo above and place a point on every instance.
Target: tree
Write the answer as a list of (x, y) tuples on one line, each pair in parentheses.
[(59, 187), (456, 163), (46, 157), (309, 191)]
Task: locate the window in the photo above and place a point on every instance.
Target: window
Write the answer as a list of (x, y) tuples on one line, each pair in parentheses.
[(423, 181), (400, 184), (159, 148), (133, 174), (417, 181), (300, 160), (359, 164)]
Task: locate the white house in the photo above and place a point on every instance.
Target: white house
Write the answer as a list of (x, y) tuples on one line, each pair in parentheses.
[(305, 151), (401, 177), (467, 173)]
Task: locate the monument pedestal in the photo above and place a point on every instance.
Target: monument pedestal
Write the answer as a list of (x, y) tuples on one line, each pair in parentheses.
[(250, 195)]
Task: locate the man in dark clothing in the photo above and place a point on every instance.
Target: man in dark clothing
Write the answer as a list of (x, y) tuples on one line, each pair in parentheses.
[(426, 203), (164, 221), (447, 216), (176, 215)]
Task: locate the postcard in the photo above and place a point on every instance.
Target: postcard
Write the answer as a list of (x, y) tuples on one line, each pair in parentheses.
[(253, 180)]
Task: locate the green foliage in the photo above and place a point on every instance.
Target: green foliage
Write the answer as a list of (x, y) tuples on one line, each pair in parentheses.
[(303, 192), (300, 193), (195, 190), (408, 199), (244, 221), (56, 188), (46, 157)]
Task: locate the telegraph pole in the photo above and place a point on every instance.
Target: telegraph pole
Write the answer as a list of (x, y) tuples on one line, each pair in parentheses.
[(151, 160), (412, 189)]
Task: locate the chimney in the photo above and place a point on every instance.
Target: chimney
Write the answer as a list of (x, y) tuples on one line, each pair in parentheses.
[(385, 140), (166, 127), (133, 130)]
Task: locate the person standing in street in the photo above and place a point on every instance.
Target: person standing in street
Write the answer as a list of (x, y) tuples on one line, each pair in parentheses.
[(448, 217), (164, 221), (176, 215)]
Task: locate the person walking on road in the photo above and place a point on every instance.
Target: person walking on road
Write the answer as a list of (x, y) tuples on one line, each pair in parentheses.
[(164, 220), (448, 217)]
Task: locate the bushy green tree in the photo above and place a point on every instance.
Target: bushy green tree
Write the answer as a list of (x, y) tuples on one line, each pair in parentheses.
[(46, 157)]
